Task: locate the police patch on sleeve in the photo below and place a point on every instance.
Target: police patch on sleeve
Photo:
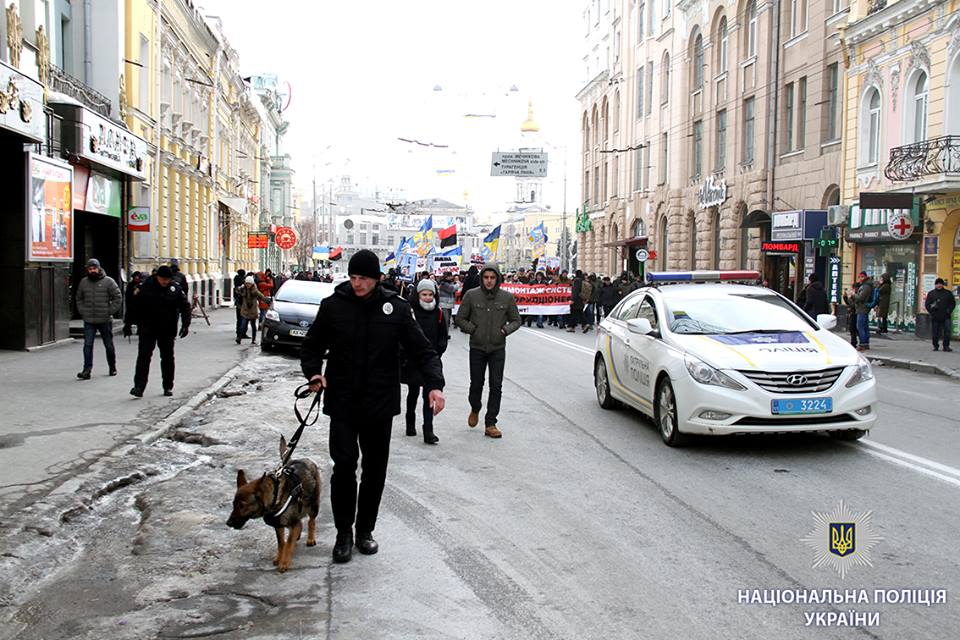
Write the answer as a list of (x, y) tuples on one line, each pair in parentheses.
[(387, 308)]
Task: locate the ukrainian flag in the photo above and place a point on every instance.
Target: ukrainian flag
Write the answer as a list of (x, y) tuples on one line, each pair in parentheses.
[(491, 243)]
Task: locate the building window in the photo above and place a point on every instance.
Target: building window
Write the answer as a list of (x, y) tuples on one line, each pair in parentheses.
[(917, 128), (640, 92), (641, 17), (720, 152), (664, 243), (649, 83), (697, 71), (832, 102), (652, 22), (697, 148), (665, 79), (647, 166), (870, 128), (723, 40), (664, 139), (749, 122), (586, 186), (751, 18), (606, 177), (798, 17), (616, 112), (596, 186), (143, 74), (802, 113), (666, 7), (616, 47), (638, 170), (788, 118)]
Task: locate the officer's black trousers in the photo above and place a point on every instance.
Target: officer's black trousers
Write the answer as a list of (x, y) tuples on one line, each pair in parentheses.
[(148, 340), (349, 438)]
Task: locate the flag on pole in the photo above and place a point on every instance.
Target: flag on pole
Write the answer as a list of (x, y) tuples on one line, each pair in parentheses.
[(491, 243), (321, 252), (336, 253), (448, 236), (389, 261), (456, 251)]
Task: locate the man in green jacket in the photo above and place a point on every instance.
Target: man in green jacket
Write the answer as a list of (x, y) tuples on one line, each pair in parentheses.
[(489, 315)]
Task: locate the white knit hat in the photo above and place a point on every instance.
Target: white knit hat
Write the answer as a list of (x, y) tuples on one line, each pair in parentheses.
[(249, 280), (427, 285)]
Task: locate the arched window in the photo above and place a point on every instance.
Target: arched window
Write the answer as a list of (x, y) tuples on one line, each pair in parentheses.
[(750, 19), (639, 228), (665, 79), (723, 40), (595, 127), (605, 116), (916, 108), (696, 73), (664, 244), (953, 98), (586, 132), (692, 234), (870, 127)]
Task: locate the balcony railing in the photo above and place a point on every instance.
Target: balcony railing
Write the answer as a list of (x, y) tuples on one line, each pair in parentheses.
[(937, 156), (63, 82)]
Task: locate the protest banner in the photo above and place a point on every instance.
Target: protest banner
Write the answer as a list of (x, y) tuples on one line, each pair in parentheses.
[(538, 299)]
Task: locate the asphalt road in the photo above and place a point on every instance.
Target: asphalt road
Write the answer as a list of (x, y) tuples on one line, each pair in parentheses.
[(579, 523)]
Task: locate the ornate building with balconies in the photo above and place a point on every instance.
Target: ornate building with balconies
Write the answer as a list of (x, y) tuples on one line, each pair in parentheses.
[(901, 172)]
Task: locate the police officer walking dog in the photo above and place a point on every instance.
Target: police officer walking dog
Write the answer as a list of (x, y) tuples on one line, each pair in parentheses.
[(359, 330), (155, 309)]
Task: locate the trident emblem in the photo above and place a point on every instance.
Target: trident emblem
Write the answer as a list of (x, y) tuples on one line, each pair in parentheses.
[(842, 540)]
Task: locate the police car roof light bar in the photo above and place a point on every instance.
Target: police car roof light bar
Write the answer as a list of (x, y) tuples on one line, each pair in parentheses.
[(662, 277)]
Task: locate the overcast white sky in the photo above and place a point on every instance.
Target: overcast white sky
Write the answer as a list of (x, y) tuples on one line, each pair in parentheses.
[(363, 72)]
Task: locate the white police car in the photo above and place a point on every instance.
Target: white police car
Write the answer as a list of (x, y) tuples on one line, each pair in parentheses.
[(702, 354)]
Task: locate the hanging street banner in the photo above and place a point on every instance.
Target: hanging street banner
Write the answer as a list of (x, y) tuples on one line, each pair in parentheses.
[(518, 164), (539, 299)]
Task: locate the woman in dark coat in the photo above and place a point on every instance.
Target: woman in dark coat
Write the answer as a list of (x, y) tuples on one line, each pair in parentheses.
[(429, 316), (883, 306)]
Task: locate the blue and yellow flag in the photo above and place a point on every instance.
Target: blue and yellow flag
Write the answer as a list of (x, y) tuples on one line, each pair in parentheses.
[(491, 243)]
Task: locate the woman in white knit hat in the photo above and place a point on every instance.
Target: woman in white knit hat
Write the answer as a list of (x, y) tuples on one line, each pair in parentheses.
[(430, 317)]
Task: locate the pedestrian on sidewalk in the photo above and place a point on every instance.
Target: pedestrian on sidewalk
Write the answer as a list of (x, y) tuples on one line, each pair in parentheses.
[(815, 298), (264, 282), (489, 314), (158, 305), (358, 331), (609, 296), (850, 300), (940, 304), (432, 322), (237, 285), (98, 299), (864, 296), (883, 307), (179, 277), (133, 290), (250, 298)]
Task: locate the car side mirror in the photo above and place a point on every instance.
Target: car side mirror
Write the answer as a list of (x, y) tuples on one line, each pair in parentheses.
[(826, 321), (639, 325)]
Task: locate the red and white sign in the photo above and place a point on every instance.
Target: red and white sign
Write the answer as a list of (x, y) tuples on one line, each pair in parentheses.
[(138, 219), (900, 226), (286, 238)]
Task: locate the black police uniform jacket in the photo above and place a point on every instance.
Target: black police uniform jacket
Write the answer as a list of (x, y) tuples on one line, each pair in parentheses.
[(156, 309), (361, 338)]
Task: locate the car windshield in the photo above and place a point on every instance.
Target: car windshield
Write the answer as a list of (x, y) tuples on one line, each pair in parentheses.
[(303, 293), (738, 313)]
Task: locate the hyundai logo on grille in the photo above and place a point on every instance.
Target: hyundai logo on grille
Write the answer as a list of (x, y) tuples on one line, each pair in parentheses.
[(305, 324), (796, 380)]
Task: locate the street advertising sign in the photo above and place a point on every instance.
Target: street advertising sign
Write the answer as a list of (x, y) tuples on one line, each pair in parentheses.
[(519, 164), (712, 193), (138, 219), (884, 217), (50, 210), (834, 289), (103, 195), (23, 98), (258, 240), (642, 255), (899, 225), (780, 247), (286, 238), (786, 225)]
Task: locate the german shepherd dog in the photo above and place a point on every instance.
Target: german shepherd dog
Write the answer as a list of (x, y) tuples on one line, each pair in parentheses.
[(282, 499)]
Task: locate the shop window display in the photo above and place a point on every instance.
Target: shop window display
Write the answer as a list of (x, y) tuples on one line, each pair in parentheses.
[(899, 261)]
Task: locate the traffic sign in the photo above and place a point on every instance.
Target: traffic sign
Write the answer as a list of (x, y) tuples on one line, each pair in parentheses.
[(642, 255), (286, 238), (519, 164)]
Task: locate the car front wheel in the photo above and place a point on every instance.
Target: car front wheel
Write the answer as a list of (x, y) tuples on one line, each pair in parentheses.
[(602, 383), (666, 415)]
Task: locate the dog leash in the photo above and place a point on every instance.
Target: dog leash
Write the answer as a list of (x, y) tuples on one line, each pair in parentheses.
[(300, 393)]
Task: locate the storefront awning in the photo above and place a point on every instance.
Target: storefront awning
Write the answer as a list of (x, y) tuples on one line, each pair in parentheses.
[(636, 241), (237, 205), (754, 219)]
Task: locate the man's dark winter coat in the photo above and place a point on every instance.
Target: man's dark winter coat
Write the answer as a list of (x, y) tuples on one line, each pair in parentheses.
[(488, 315), (940, 304), (609, 295), (156, 309), (361, 339), (472, 281), (816, 302), (434, 327)]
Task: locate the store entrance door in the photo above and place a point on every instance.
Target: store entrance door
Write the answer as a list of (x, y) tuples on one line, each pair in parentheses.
[(95, 236), (780, 270)]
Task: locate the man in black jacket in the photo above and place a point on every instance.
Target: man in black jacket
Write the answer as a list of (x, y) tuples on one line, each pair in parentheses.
[(156, 308), (815, 298), (359, 331), (940, 304)]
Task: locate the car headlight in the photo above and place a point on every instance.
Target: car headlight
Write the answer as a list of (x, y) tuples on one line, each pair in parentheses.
[(863, 372), (705, 374), (272, 315)]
